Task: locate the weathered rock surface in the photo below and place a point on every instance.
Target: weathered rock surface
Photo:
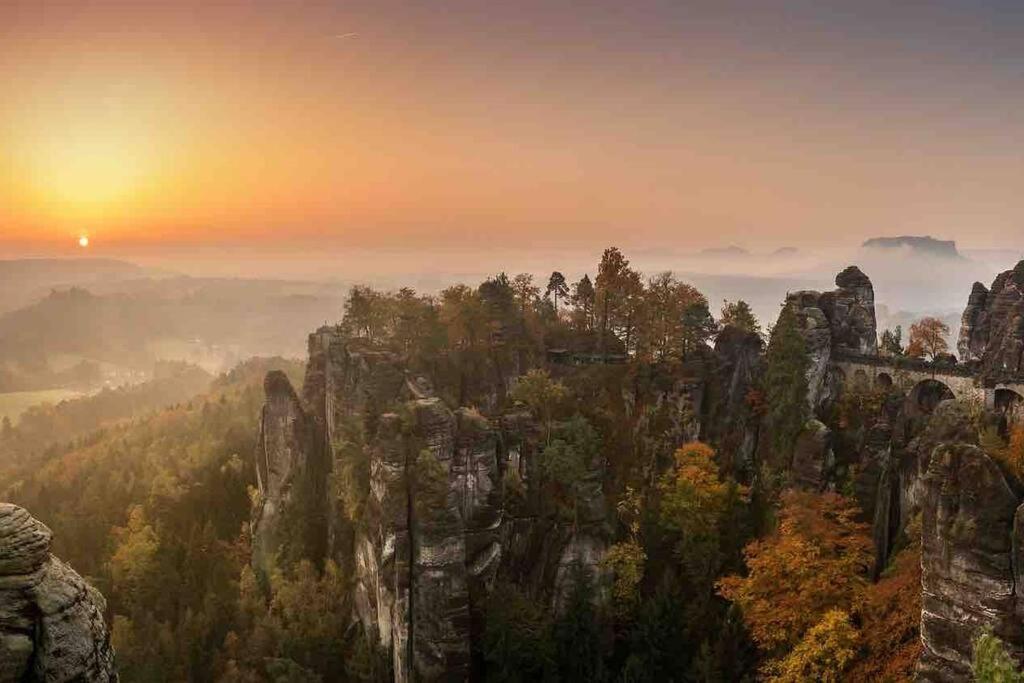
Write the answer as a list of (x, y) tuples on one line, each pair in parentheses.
[(438, 526), (992, 329), (730, 422), (840, 320), (812, 457), (974, 325), (289, 520), (968, 579), (51, 620), (851, 311)]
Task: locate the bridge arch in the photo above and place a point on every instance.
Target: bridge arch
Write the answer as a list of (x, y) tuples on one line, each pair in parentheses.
[(883, 380), (929, 393)]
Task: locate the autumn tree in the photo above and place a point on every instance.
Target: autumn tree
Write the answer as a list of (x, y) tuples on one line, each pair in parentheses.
[(817, 560), (890, 618), (365, 312), (557, 288), (525, 291), (463, 316), (695, 502), (738, 314), (928, 338), (824, 653), (664, 333), (615, 282), (785, 382)]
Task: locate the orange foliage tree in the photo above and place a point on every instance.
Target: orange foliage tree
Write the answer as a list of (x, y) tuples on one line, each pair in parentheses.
[(890, 618), (928, 338), (817, 560)]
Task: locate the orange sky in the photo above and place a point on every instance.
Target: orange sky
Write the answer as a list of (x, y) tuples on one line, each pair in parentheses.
[(460, 123)]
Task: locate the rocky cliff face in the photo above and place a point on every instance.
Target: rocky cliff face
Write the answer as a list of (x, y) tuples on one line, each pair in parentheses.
[(992, 329), (840, 320), (732, 423), (968, 579), (290, 516), (51, 620), (449, 503)]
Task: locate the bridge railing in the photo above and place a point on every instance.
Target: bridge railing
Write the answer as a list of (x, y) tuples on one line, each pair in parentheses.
[(903, 363)]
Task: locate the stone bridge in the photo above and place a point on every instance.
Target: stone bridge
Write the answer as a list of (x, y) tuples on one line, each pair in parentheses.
[(919, 378)]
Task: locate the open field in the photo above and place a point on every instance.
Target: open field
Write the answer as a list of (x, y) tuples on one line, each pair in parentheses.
[(15, 403)]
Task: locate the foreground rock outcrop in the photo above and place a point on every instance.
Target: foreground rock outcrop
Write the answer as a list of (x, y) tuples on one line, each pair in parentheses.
[(51, 620), (969, 579), (423, 505)]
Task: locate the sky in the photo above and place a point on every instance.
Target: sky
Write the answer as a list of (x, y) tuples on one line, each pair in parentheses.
[(383, 127)]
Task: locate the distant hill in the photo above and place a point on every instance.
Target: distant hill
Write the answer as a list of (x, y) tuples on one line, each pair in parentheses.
[(23, 281), (731, 250), (76, 338), (924, 246)]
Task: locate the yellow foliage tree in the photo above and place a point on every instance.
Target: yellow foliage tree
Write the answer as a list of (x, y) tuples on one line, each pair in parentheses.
[(824, 653)]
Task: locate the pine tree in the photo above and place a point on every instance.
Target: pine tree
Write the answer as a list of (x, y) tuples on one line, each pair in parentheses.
[(697, 327), (557, 288)]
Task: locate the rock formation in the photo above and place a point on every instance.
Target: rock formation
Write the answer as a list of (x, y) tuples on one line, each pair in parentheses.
[(437, 526), (992, 329), (812, 457), (51, 620), (917, 245), (968, 543), (730, 422), (290, 516), (836, 321)]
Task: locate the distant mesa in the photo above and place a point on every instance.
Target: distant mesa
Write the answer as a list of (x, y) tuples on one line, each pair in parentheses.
[(731, 250), (786, 251), (922, 246)]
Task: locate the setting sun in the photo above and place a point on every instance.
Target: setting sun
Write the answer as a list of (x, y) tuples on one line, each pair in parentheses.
[(83, 241)]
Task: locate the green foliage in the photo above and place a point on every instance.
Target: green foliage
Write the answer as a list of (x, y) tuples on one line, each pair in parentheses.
[(517, 642), (557, 288), (785, 383), (577, 634), (152, 511), (738, 314), (992, 663), (697, 328), (429, 485), (542, 395), (892, 342), (351, 474), (566, 460), (626, 561)]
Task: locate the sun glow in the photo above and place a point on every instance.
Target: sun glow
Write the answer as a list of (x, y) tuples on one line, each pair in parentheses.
[(83, 241)]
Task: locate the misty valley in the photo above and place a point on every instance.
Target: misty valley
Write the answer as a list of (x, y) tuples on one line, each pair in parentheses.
[(593, 478)]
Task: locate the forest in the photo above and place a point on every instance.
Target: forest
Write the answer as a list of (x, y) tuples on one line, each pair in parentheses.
[(719, 567)]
